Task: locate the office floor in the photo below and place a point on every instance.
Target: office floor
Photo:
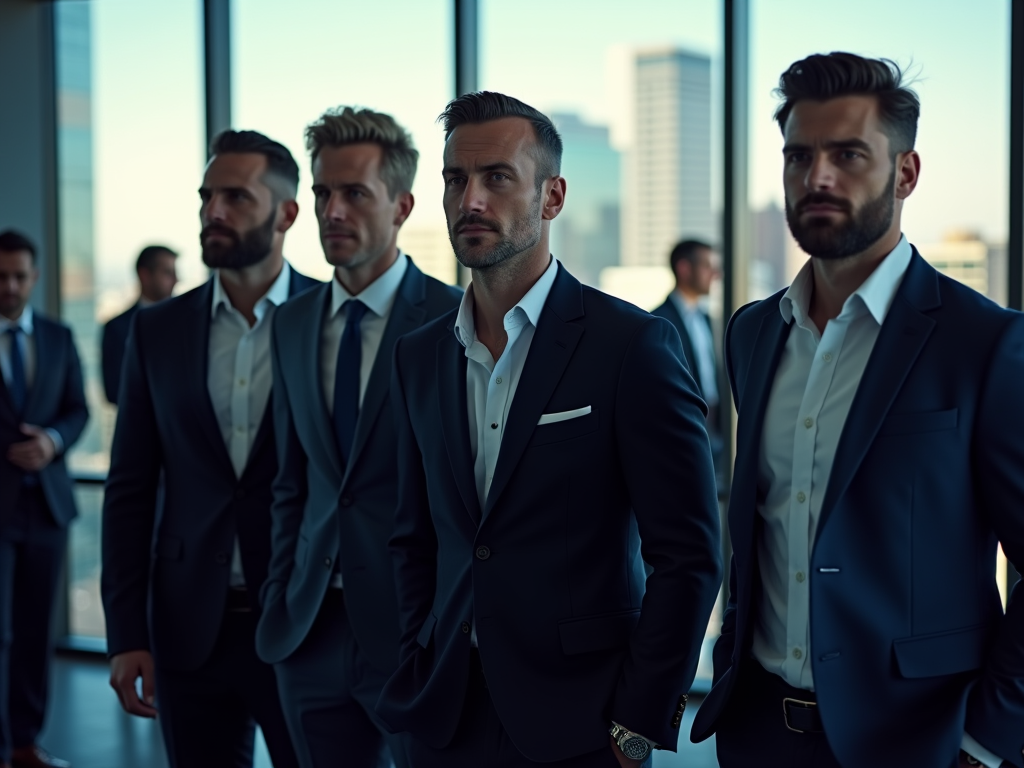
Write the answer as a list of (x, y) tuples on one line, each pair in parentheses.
[(86, 726)]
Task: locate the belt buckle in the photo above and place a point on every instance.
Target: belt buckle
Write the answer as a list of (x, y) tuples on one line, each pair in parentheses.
[(798, 703)]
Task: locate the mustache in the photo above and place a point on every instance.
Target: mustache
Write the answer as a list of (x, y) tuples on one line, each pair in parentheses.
[(217, 229), (474, 220), (822, 198), (338, 231)]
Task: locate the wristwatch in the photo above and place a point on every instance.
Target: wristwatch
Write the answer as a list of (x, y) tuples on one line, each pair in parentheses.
[(633, 746)]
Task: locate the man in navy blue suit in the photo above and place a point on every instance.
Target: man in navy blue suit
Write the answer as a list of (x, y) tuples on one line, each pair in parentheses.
[(157, 275), (195, 402), (42, 414), (880, 457), (545, 430)]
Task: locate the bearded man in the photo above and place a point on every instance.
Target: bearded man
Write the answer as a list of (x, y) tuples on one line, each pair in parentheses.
[(194, 405), (879, 448)]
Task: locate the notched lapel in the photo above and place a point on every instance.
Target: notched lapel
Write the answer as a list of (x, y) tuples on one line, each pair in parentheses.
[(311, 330), (451, 396), (47, 341)]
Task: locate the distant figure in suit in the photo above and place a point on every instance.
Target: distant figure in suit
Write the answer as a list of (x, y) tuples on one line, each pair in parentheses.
[(880, 457), (195, 402), (42, 414), (157, 278), (695, 267), (330, 615), (544, 432)]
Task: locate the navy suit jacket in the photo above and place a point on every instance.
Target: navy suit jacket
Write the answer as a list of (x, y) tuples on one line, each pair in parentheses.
[(550, 566), (320, 504), (180, 568), (55, 401), (115, 339), (908, 636)]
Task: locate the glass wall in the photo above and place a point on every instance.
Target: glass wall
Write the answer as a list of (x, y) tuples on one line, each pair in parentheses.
[(289, 67)]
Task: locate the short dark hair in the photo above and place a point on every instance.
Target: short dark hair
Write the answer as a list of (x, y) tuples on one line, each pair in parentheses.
[(280, 162), (485, 106), (828, 76), (686, 250), (149, 255), (12, 240)]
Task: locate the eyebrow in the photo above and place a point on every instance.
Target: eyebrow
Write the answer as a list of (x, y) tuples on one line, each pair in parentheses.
[(839, 144), (209, 190), (500, 166)]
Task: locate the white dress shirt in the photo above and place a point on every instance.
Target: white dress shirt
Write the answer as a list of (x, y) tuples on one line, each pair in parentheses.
[(695, 321), (379, 298), (814, 387), (27, 344), (239, 376)]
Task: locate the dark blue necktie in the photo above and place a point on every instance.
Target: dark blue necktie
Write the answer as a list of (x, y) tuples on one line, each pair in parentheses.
[(346, 378), (18, 385)]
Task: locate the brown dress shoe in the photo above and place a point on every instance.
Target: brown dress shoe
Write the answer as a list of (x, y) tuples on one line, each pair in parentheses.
[(36, 757)]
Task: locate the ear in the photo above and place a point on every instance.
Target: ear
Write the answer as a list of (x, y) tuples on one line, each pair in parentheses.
[(553, 191), (405, 204), (908, 171), (287, 212)]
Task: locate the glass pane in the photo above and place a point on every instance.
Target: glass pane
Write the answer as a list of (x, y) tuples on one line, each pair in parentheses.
[(957, 216), (85, 609), (290, 67)]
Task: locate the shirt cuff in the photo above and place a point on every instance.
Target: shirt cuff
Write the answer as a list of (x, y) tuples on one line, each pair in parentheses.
[(654, 744), (978, 752), (58, 441)]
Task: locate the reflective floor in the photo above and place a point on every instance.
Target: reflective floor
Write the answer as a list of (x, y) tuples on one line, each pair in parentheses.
[(86, 726)]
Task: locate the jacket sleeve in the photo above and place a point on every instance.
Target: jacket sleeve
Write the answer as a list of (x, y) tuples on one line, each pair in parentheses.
[(129, 505), (110, 358), (290, 485), (74, 413), (413, 544), (995, 709), (666, 458)]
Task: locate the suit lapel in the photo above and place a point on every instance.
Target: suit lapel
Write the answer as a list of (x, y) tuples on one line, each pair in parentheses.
[(406, 315), (902, 337), (451, 396), (311, 356), (45, 345), (552, 347)]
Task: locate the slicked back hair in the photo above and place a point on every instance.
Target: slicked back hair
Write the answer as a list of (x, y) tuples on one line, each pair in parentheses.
[(342, 126), (149, 255), (280, 163), (829, 76), (485, 106), (11, 241)]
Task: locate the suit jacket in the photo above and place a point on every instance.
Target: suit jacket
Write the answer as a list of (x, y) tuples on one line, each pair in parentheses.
[(904, 609), (320, 504), (166, 421), (550, 567), (55, 401), (115, 338)]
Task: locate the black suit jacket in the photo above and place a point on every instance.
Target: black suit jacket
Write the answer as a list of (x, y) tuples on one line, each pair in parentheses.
[(165, 421), (115, 338), (55, 401), (550, 567), (319, 504), (909, 641)]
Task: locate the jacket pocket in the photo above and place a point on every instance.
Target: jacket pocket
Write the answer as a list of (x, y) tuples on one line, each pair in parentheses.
[(597, 633), (556, 432), (426, 631), (943, 653), (913, 423), (169, 548)]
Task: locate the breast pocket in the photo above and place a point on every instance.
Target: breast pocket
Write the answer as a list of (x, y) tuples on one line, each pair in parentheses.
[(569, 429), (915, 423)]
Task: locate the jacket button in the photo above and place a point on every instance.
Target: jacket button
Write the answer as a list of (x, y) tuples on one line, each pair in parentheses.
[(239, 493), (221, 558), (465, 627), (482, 553), (346, 501), (327, 562)]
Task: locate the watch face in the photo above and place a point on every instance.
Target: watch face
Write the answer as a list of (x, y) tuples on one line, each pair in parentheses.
[(635, 748)]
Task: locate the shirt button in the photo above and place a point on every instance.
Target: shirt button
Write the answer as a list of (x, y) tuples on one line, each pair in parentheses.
[(240, 429), (797, 653), (808, 422), (241, 382), (494, 425), (801, 497), (327, 562), (800, 576), (498, 380), (465, 627), (827, 357)]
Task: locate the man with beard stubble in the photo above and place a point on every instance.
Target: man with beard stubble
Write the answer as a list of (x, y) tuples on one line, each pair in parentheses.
[(544, 432), (195, 403), (879, 455)]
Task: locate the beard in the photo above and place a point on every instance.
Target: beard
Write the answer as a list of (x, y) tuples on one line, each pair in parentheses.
[(523, 233), (244, 251), (823, 239)]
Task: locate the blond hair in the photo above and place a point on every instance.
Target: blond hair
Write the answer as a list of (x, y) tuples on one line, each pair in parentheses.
[(342, 126)]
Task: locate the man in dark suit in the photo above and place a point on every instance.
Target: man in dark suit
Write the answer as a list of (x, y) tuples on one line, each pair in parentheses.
[(195, 403), (544, 432), (42, 414), (694, 266), (330, 615), (873, 478), (157, 278)]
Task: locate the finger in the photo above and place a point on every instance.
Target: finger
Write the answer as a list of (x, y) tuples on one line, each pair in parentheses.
[(149, 687), (130, 700), (29, 429)]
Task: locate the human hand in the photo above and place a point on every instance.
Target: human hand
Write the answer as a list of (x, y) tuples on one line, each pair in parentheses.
[(125, 668), (34, 453)]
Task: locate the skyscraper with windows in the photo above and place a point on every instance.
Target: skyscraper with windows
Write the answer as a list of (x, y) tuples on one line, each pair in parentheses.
[(669, 185)]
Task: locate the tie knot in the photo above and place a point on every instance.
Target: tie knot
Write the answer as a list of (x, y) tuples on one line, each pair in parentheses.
[(14, 330), (354, 311)]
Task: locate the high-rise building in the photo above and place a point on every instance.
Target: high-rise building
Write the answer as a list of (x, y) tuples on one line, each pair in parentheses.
[(668, 196), (585, 236), (431, 249), (963, 256)]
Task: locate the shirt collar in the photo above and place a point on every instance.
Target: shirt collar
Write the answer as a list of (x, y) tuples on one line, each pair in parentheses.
[(531, 305), (379, 296), (276, 295), (876, 293), (24, 322)]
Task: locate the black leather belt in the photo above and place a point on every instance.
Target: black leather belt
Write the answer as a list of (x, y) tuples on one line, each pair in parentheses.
[(802, 716), (238, 601)]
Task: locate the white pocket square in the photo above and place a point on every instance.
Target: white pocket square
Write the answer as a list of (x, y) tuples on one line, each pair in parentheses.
[(551, 418)]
